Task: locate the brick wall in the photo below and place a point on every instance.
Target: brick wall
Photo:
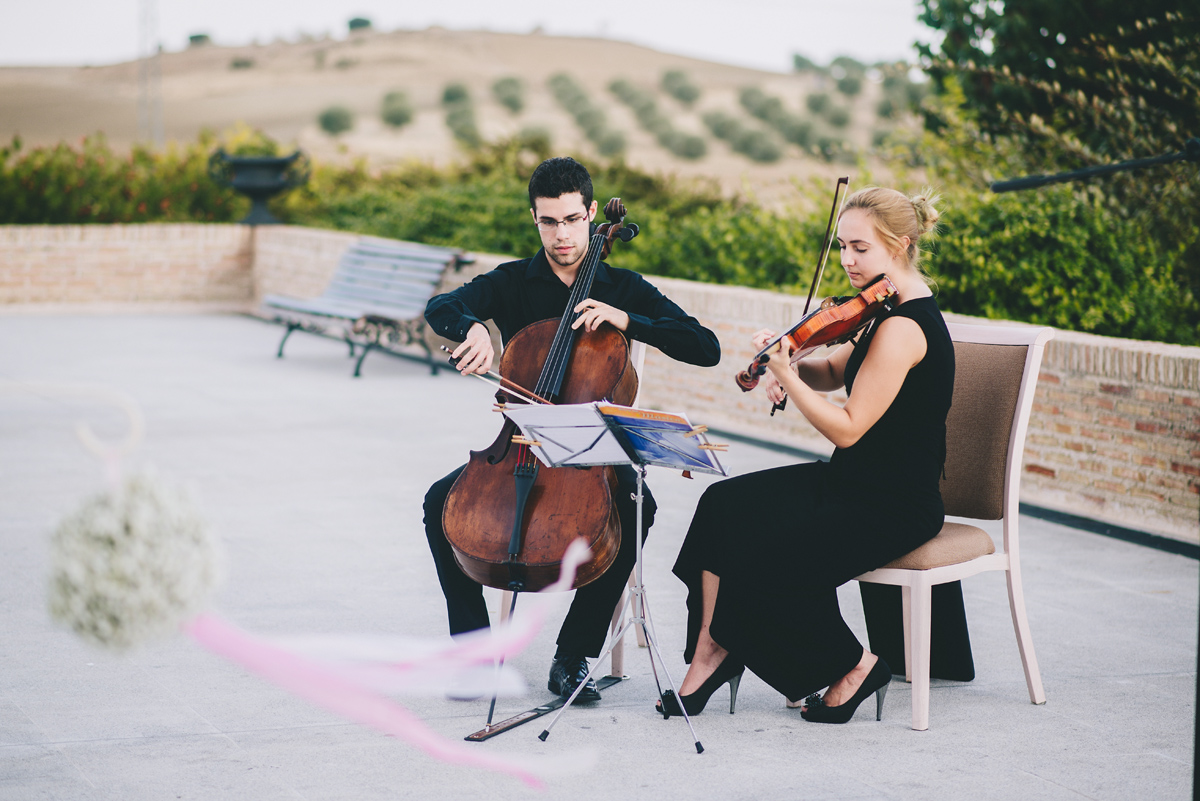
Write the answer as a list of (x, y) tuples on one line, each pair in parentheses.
[(118, 264), (1114, 436)]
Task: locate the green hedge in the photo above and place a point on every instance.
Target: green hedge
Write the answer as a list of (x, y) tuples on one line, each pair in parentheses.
[(1061, 258), (91, 183)]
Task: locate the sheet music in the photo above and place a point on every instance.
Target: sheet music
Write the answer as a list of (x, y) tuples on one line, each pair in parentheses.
[(604, 433)]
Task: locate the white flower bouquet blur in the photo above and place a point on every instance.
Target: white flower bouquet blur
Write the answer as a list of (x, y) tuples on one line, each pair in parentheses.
[(132, 564)]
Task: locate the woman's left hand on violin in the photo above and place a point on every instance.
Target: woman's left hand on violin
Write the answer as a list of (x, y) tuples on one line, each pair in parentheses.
[(592, 313), (780, 358)]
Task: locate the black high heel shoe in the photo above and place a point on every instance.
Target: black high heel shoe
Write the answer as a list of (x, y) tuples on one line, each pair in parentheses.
[(877, 681), (730, 670)]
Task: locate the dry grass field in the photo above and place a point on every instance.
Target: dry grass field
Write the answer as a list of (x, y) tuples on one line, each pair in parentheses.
[(290, 83)]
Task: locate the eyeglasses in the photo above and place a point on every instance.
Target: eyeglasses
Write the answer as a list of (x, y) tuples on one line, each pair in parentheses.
[(548, 224)]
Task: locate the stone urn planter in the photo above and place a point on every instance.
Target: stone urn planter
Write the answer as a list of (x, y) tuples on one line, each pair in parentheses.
[(259, 178)]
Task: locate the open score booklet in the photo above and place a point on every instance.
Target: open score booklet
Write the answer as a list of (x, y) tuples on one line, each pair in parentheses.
[(600, 433)]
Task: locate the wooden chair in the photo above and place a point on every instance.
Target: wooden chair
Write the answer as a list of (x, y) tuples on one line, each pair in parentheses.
[(637, 355), (995, 378)]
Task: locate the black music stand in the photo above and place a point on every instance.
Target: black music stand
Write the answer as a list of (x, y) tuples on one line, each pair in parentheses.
[(606, 434)]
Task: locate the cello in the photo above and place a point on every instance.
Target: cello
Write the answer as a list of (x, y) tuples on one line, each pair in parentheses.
[(508, 519)]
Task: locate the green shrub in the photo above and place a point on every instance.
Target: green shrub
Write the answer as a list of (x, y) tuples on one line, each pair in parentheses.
[(396, 110), (455, 93), (850, 85), (358, 24), (241, 63), (460, 119), (802, 64), (817, 102), (1062, 259), (335, 120), (758, 146), (571, 96), (677, 85), (536, 138), (646, 110), (797, 131), (831, 147), (771, 111), (838, 116), (510, 93), (199, 40), (92, 183), (722, 125), (460, 115)]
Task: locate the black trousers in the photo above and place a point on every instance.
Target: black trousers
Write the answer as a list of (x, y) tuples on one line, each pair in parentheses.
[(586, 625)]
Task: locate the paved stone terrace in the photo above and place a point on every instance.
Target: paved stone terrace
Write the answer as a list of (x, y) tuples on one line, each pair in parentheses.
[(314, 481)]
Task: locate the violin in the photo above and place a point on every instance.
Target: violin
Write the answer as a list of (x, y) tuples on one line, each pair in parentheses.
[(835, 321), (507, 519)]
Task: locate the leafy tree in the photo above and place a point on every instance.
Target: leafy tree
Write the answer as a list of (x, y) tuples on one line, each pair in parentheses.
[(1073, 85)]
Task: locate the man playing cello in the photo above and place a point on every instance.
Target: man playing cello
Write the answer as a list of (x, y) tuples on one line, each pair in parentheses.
[(513, 296)]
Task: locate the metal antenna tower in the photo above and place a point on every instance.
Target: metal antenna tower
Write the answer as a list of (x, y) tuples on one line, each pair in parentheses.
[(150, 117)]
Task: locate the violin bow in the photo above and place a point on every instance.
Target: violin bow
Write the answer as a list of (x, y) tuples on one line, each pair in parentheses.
[(838, 198)]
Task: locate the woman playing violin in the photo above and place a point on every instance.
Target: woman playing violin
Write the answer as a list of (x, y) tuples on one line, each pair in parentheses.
[(766, 552)]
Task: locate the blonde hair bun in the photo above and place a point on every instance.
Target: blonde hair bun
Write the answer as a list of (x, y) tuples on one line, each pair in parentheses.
[(927, 213)]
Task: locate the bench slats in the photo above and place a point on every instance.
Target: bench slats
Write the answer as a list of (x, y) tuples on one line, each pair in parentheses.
[(386, 280)]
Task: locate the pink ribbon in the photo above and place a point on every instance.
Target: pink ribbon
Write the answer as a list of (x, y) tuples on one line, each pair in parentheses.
[(346, 691)]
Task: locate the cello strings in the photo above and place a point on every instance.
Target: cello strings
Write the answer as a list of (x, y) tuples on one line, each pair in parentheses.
[(560, 346)]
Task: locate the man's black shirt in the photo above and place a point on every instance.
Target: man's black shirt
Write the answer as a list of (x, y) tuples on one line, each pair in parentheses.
[(519, 293)]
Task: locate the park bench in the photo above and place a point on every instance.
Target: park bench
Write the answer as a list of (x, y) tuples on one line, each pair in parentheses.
[(376, 297)]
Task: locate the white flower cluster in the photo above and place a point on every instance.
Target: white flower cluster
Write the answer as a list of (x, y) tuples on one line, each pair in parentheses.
[(132, 564)]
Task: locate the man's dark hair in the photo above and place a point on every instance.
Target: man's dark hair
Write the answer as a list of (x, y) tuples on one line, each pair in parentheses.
[(560, 176)]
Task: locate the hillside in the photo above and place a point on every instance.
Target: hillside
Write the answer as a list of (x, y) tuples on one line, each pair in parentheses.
[(288, 84)]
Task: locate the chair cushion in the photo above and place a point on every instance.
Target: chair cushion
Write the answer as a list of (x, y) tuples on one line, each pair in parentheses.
[(954, 544)]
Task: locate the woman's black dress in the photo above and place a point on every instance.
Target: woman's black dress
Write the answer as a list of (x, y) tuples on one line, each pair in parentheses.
[(783, 540)]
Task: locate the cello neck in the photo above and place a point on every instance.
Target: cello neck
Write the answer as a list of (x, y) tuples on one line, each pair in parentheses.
[(550, 381), (555, 368)]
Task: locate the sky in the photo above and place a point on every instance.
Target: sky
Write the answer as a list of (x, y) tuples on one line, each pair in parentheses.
[(752, 33)]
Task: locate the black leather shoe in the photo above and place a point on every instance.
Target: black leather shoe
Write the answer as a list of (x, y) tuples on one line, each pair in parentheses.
[(565, 674)]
